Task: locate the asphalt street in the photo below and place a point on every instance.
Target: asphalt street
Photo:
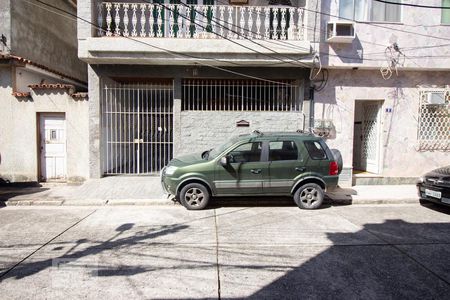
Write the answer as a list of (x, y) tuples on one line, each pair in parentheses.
[(273, 252)]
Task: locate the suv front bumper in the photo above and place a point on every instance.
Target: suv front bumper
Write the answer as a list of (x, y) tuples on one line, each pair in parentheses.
[(168, 184), (162, 177)]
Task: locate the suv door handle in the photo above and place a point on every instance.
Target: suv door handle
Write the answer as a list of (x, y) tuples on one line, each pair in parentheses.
[(255, 171), (300, 169)]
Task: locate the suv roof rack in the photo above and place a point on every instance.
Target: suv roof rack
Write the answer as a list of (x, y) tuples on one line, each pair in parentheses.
[(257, 132)]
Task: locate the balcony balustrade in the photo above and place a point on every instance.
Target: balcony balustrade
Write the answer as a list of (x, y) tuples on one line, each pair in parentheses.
[(185, 21)]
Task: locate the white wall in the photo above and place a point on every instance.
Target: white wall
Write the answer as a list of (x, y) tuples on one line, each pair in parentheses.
[(399, 136), (18, 131), (419, 27)]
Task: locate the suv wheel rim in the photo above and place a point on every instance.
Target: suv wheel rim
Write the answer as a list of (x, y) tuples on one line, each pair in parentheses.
[(309, 196), (194, 197)]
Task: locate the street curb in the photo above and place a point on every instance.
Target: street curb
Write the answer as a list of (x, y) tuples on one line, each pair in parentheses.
[(168, 202), (380, 201)]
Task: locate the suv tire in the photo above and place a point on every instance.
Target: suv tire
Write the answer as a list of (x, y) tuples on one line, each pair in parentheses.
[(194, 196), (309, 196)]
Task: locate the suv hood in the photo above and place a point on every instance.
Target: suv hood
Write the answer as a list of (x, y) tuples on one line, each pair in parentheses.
[(185, 160)]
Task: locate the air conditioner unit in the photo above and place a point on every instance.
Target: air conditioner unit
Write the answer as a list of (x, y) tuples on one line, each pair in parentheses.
[(340, 32), (435, 97)]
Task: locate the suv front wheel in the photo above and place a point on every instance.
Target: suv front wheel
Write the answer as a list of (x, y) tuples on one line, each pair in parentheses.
[(194, 196), (309, 196)]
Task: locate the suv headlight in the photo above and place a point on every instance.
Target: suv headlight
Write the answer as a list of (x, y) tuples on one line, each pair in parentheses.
[(170, 170)]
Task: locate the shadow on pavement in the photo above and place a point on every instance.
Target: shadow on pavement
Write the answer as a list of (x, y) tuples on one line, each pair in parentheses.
[(26, 269), (400, 267), (436, 207), (390, 260), (9, 190), (268, 201)]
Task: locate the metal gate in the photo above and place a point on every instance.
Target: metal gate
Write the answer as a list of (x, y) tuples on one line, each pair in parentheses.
[(371, 137), (137, 127)]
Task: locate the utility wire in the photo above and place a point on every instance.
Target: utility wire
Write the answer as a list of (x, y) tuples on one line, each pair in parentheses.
[(235, 42), (174, 53), (271, 41), (325, 31), (368, 42), (412, 5), (381, 26)]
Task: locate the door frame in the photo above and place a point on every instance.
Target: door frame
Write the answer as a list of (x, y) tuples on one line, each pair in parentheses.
[(39, 116), (379, 154)]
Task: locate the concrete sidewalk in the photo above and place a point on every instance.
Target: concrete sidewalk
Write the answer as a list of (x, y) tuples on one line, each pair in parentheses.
[(146, 190)]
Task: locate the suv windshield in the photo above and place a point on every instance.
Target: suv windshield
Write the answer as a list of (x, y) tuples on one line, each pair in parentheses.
[(216, 151)]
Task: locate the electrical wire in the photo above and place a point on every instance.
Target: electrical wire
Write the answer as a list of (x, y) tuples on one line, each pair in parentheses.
[(412, 5), (235, 42), (364, 41), (380, 25), (272, 41), (174, 53)]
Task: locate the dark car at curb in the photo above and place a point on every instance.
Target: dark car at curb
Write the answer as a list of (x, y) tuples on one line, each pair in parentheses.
[(434, 186), (295, 164)]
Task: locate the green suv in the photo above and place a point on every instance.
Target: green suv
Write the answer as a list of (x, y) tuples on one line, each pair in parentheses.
[(259, 164)]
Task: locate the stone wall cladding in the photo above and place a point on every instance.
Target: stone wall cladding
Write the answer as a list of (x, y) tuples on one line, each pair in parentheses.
[(202, 130)]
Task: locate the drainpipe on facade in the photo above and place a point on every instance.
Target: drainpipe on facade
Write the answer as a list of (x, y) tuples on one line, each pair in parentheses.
[(311, 109)]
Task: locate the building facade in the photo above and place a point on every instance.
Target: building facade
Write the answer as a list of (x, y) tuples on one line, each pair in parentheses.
[(168, 79), (43, 117), (386, 102)]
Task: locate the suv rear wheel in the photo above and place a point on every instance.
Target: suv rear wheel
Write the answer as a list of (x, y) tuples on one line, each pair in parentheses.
[(194, 196), (309, 196)]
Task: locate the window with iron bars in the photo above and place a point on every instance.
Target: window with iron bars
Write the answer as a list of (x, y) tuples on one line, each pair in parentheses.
[(240, 95), (434, 120)]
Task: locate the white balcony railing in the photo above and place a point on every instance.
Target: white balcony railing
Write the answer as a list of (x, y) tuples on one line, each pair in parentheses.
[(201, 21)]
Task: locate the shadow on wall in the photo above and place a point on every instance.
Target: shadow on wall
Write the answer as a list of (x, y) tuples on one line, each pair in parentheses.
[(352, 53)]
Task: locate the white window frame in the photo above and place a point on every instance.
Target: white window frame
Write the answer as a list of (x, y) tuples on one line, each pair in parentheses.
[(368, 14)]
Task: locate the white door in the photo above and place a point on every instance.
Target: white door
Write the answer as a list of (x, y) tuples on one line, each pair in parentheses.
[(370, 144), (53, 146)]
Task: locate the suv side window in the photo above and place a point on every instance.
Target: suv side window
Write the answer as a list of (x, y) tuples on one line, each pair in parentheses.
[(249, 152), (315, 150), (283, 150)]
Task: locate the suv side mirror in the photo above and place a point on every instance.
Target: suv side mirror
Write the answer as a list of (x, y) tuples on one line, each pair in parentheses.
[(224, 161)]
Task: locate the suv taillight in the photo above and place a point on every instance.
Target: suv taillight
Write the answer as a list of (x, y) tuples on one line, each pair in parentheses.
[(334, 168)]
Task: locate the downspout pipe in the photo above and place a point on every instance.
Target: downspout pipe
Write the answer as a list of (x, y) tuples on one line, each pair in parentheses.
[(311, 109)]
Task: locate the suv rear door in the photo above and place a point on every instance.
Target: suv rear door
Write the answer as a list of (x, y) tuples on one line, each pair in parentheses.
[(318, 162), (245, 172), (285, 164)]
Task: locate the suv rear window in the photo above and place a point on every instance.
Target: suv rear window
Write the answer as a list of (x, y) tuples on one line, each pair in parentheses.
[(315, 150), (283, 150)]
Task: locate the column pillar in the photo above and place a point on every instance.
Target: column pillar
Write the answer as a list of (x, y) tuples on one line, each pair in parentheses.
[(94, 124)]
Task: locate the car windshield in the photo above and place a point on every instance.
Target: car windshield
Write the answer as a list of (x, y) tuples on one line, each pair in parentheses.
[(216, 151)]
